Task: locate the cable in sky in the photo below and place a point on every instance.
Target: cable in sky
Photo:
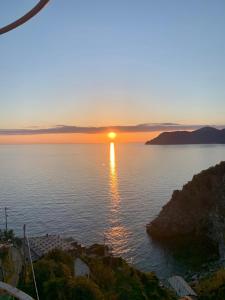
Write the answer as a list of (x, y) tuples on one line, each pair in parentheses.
[(30, 14)]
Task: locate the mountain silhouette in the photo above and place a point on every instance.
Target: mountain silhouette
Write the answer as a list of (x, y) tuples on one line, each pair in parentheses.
[(204, 135)]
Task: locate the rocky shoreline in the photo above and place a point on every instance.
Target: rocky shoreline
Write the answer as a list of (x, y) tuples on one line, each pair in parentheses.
[(194, 217)]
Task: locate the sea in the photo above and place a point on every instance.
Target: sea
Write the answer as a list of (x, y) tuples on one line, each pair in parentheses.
[(100, 193)]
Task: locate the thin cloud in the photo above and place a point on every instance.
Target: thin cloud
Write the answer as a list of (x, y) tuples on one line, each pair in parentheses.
[(60, 129)]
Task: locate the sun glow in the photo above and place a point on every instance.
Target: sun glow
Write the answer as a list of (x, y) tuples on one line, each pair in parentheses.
[(112, 135)]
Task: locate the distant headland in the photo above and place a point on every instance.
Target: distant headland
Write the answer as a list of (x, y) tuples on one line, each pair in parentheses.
[(204, 135)]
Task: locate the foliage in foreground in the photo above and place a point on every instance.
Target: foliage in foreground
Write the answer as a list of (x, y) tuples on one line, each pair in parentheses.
[(212, 287), (111, 279)]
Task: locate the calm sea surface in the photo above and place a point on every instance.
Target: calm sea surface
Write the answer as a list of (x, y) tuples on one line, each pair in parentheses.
[(99, 192)]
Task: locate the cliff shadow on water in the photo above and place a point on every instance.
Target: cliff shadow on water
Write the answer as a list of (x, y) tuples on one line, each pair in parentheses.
[(188, 253)]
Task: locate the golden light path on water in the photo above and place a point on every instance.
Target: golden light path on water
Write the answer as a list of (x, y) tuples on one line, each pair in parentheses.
[(112, 161), (117, 235)]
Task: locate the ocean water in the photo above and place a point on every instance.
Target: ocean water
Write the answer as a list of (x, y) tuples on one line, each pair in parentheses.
[(99, 192)]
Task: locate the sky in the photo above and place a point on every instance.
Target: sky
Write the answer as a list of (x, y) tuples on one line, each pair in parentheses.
[(111, 63)]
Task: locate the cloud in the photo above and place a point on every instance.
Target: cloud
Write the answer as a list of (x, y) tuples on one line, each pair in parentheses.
[(60, 129)]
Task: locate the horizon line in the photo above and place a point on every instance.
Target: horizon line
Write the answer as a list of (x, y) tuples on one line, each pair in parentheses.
[(65, 129)]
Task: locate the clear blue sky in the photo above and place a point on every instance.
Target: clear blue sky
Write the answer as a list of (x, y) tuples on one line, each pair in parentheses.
[(113, 62)]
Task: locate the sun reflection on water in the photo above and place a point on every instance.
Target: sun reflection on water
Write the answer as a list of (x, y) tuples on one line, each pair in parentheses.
[(113, 173), (116, 235)]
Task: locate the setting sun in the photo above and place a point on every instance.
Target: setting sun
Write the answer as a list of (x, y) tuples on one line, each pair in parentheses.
[(112, 135)]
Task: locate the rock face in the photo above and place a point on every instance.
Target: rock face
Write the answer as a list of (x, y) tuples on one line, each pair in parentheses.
[(205, 135), (197, 212)]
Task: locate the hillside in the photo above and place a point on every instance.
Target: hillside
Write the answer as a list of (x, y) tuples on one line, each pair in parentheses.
[(205, 135), (196, 213), (212, 287), (111, 278)]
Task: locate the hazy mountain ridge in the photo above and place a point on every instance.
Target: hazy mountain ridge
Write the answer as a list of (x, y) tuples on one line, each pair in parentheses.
[(204, 135)]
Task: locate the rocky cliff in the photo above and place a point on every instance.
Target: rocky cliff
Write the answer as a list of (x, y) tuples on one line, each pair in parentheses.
[(195, 213), (204, 135)]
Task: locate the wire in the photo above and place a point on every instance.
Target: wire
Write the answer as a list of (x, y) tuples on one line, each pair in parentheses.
[(32, 267), (24, 18)]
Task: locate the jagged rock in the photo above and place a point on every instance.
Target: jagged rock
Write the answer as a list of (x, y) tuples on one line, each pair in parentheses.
[(196, 213)]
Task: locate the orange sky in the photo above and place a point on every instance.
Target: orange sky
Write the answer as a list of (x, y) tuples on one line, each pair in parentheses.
[(75, 138)]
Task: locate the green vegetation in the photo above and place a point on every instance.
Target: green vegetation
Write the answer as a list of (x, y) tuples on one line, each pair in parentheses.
[(212, 287), (111, 279), (6, 235), (8, 252), (7, 265)]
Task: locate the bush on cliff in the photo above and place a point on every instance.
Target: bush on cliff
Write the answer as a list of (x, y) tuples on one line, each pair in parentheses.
[(212, 287), (111, 279)]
